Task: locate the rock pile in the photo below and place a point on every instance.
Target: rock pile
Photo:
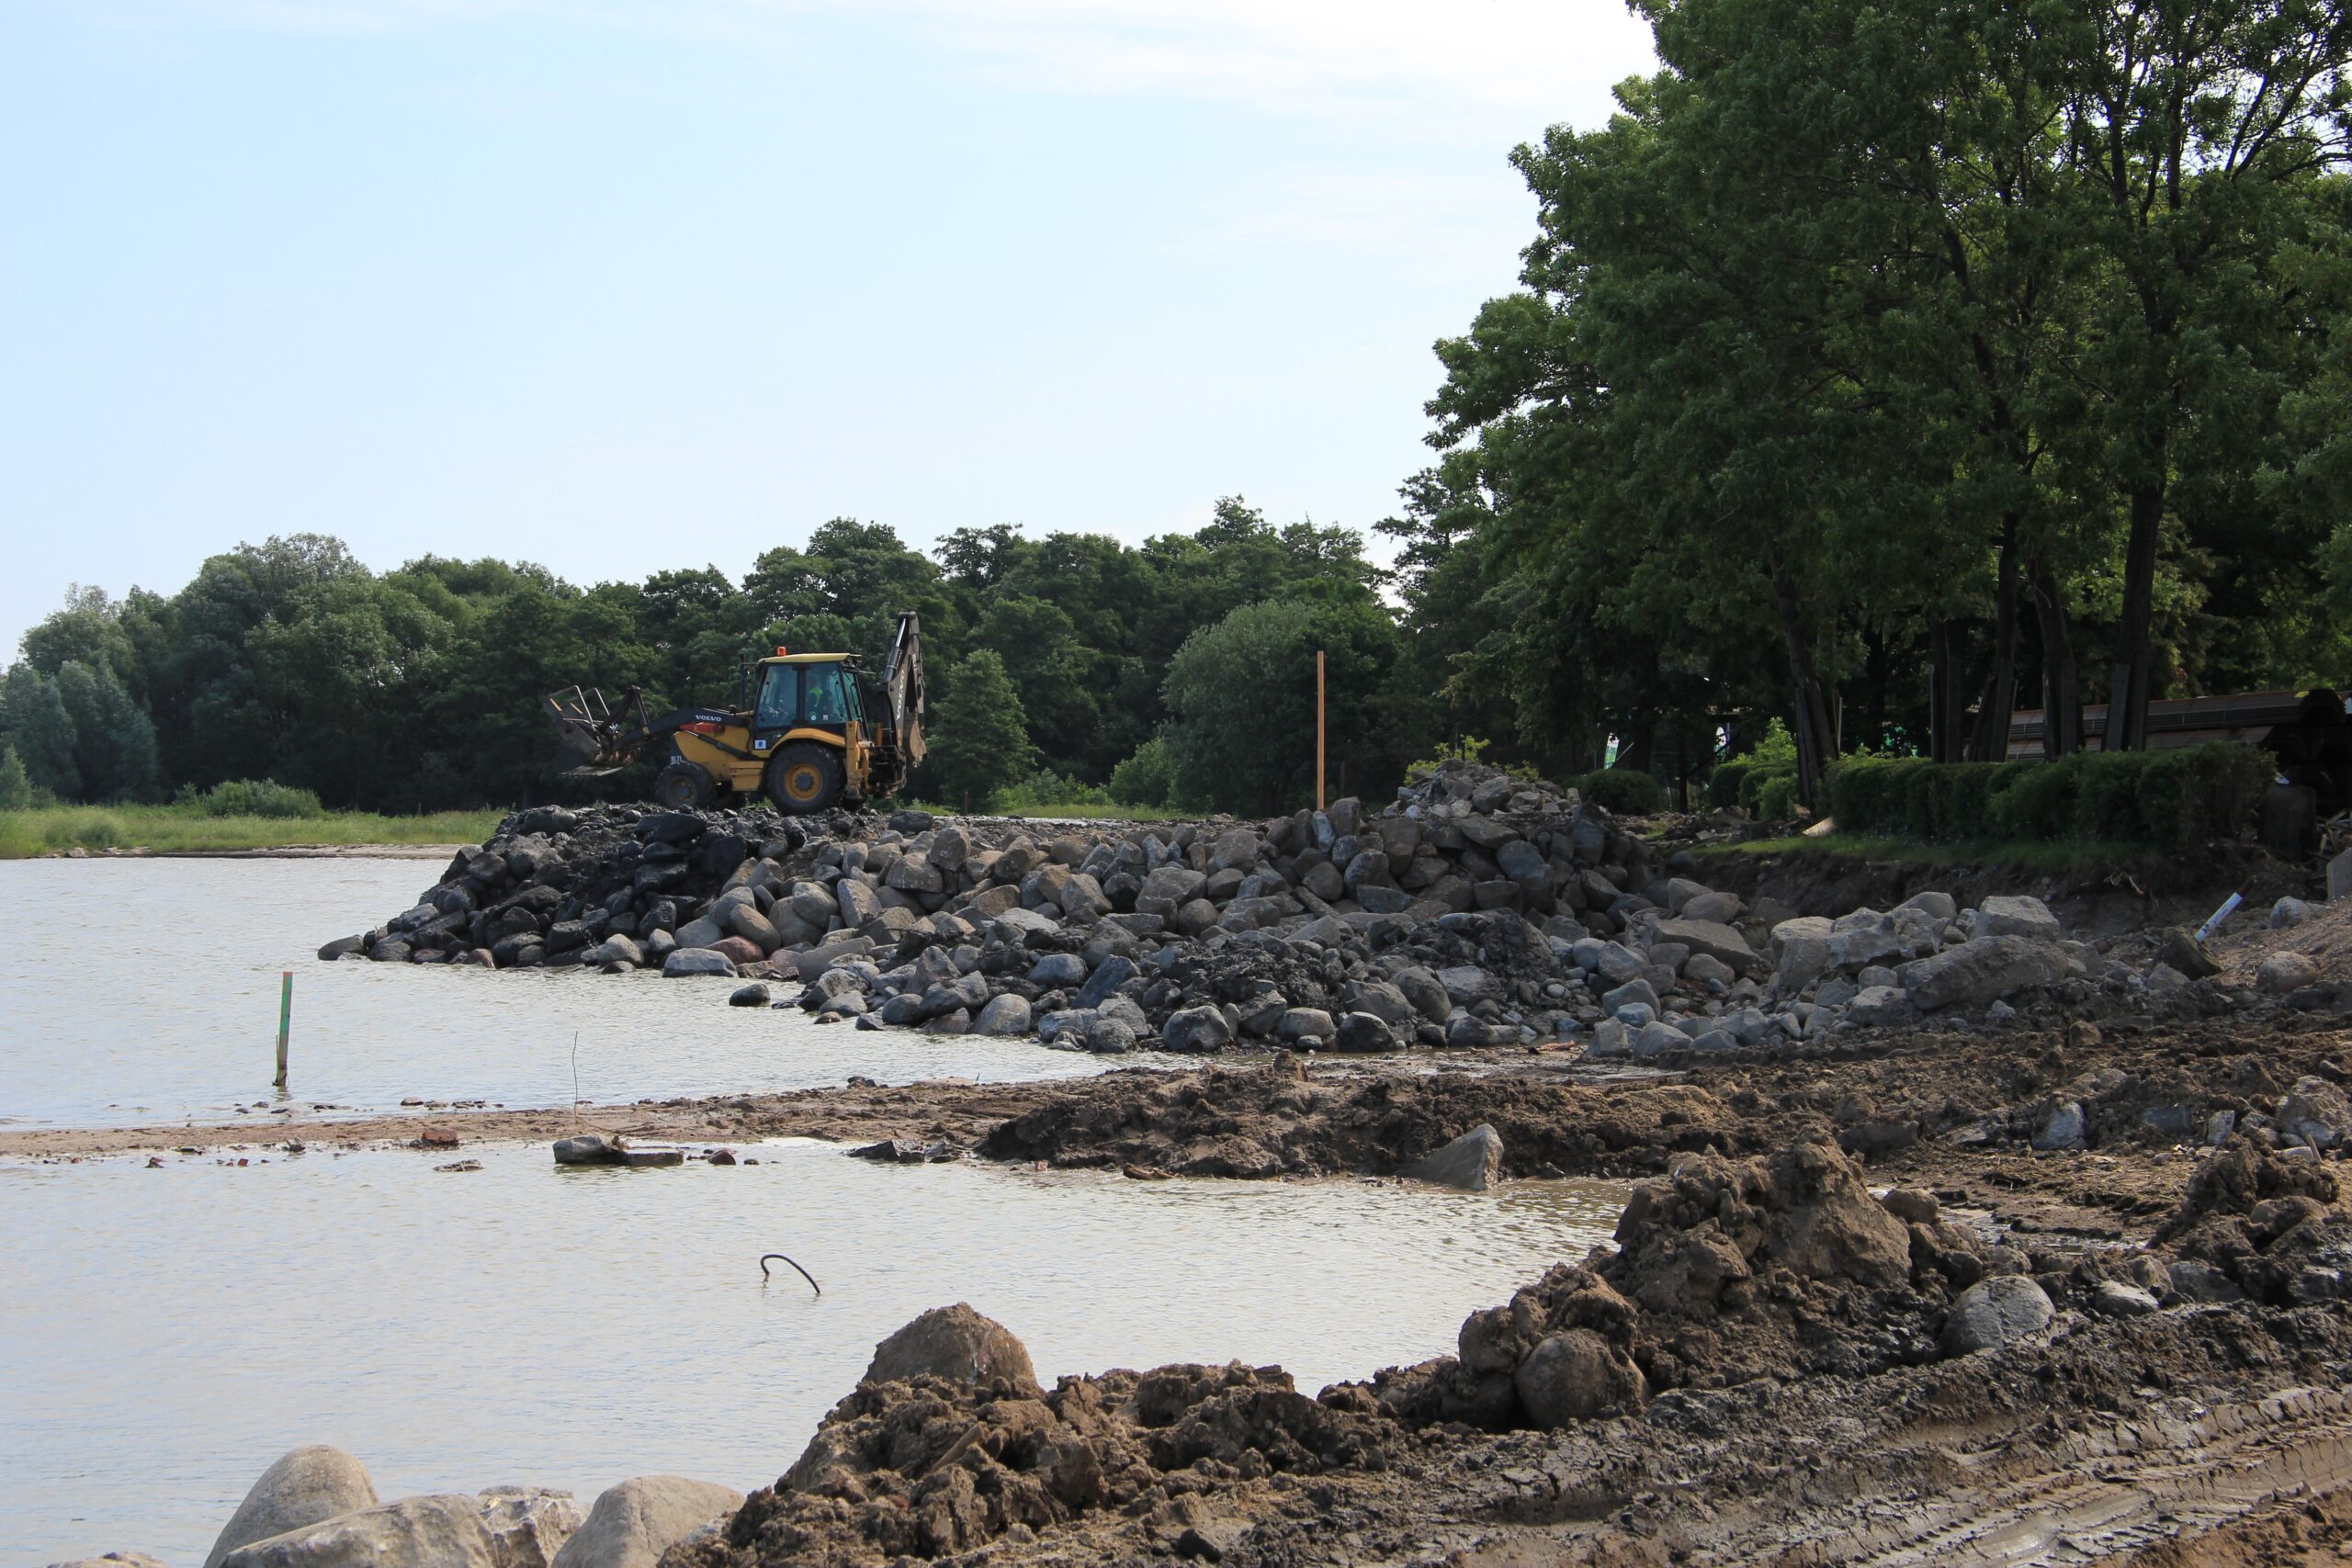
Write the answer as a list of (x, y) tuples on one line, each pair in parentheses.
[(1477, 909)]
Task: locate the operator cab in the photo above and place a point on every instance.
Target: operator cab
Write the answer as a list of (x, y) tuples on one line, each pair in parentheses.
[(815, 690)]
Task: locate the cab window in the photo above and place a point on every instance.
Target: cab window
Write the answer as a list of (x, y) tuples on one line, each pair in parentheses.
[(824, 701), (779, 698)]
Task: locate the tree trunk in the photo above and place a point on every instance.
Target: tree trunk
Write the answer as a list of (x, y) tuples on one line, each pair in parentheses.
[(2127, 708), (1991, 742), (1943, 693), (1816, 740), (2062, 703)]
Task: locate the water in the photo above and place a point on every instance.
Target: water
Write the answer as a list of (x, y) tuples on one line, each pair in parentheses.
[(171, 1331), (139, 991)]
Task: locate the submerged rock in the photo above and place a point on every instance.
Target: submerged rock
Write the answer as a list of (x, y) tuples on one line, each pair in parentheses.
[(1472, 1162)]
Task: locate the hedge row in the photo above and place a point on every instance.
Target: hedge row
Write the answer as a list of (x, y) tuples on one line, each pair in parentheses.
[(1768, 790), (2163, 799)]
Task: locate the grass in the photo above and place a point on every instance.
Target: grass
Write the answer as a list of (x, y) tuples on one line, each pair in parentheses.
[(39, 831), (2050, 855)]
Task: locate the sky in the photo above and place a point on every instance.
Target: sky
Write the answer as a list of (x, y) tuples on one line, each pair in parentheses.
[(627, 285)]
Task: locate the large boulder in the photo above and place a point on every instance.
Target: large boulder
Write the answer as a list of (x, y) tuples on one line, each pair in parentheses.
[(2283, 972), (1201, 1029), (1472, 1162), (955, 1343), (1984, 969), (2016, 915), (1007, 1014), (632, 1524), (1993, 1311), (306, 1485), (507, 1527), (1719, 942), (691, 962), (1575, 1376)]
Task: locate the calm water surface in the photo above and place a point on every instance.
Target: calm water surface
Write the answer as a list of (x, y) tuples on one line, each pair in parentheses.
[(171, 1331), (135, 991)]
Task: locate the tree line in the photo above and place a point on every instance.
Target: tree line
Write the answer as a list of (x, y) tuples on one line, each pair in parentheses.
[(1188, 659), (1881, 367)]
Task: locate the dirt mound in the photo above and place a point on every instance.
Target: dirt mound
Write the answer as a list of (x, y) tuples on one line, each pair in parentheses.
[(933, 1467), (2275, 1226), (1266, 1124)]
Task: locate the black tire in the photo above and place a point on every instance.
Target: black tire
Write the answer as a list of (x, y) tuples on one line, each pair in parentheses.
[(805, 778), (681, 786)]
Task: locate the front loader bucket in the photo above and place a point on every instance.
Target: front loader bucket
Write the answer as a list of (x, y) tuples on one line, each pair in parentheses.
[(587, 741)]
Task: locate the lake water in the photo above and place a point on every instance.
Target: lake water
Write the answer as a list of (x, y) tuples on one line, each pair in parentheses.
[(170, 1332), (138, 991)]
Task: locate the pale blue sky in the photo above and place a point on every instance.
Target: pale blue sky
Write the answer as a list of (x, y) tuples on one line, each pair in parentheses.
[(617, 285)]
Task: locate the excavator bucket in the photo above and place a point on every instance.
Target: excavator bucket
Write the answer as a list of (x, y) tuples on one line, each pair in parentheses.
[(587, 741), (902, 681)]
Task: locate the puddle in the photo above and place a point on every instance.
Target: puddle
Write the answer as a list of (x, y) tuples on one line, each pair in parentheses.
[(172, 1331)]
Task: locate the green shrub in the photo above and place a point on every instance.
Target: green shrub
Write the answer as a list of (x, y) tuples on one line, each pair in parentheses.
[(1723, 784), (16, 789), (1147, 778), (1775, 798), (1044, 789), (91, 830), (252, 797), (1471, 750), (1628, 792), (1752, 788)]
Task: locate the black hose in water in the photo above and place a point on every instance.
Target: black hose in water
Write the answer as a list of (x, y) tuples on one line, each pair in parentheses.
[(802, 1273)]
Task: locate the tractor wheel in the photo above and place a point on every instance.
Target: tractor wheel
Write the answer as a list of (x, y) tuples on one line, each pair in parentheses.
[(805, 778), (683, 786)]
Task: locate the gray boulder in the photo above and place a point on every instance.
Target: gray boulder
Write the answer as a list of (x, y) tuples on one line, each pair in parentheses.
[(2061, 1129), (2288, 913), (1985, 969), (1426, 993), (2316, 1112), (1055, 971), (1300, 1023), (2283, 972), (1364, 1031), (694, 962), (1007, 1014), (1719, 942), (632, 1524), (1991, 1313), (754, 994), (307, 1486), (1472, 1162), (588, 1148), (955, 1343), (2016, 915), (505, 1528), (1200, 1029), (1114, 972)]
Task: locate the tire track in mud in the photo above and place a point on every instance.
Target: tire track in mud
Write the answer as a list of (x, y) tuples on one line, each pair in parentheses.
[(2084, 1498)]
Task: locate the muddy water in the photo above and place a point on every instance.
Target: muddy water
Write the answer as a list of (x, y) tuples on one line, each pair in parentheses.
[(136, 991), (171, 1331)]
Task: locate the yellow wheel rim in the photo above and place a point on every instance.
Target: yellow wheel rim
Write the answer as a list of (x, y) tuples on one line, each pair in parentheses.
[(803, 782)]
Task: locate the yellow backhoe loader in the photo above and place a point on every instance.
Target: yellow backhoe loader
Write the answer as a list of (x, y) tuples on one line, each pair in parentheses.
[(809, 730)]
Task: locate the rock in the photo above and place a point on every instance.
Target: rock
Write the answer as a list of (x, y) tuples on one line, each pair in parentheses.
[(1912, 1206), (343, 945), (700, 932), (632, 1524), (1935, 905), (1472, 1162), (1991, 1313), (527, 1525), (1718, 908), (955, 1343), (1575, 1376), (1114, 972), (2284, 972), (2339, 877), (1007, 1014), (2316, 1112), (1364, 1031), (2288, 913), (692, 962), (1383, 1000), (1879, 1006), (1719, 942), (1982, 970), (2063, 1129), (307, 1486), (2114, 1299), (816, 960), (1200, 1029), (1426, 992), (754, 994), (1635, 990), (1057, 971), (1301, 1023), (505, 1528), (587, 1148), (114, 1559), (2016, 915)]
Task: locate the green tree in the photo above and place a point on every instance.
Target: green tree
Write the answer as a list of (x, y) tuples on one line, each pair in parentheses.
[(114, 740), (1147, 778), (16, 786), (979, 736), (1241, 694), (40, 731)]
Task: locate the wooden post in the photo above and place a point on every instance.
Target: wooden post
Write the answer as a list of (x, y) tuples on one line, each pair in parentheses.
[(284, 1022), (1318, 730)]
